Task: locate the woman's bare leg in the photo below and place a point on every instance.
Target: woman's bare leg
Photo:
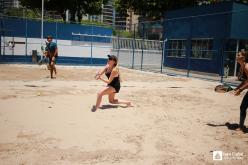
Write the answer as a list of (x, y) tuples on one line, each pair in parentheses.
[(51, 70), (106, 91), (54, 69), (112, 100), (53, 63)]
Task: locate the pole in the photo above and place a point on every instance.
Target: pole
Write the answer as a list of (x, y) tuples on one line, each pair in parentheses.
[(189, 51), (235, 62), (162, 58), (56, 31), (26, 37), (1, 43), (223, 48), (42, 20), (13, 44), (91, 44), (133, 46), (1, 32), (142, 49), (118, 47), (222, 62), (163, 47), (4, 44)]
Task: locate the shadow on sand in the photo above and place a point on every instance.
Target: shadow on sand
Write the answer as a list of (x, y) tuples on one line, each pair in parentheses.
[(108, 107), (230, 126), (105, 107)]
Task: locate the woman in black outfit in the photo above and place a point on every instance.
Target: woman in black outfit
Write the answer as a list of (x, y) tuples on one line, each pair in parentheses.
[(241, 59), (113, 83)]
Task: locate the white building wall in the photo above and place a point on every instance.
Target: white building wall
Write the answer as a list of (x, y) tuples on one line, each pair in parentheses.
[(66, 48)]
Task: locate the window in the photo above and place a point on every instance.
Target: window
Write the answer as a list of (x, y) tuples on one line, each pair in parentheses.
[(202, 48), (177, 48)]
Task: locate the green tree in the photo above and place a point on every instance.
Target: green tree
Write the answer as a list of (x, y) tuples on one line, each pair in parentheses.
[(76, 7), (82, 7), (155, 8), (152, 8)]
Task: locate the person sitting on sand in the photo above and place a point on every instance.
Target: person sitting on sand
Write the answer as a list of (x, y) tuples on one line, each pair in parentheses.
[(112, 72), (241, 59)]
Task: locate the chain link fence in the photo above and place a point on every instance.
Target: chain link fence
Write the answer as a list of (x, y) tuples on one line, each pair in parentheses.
[(85, 44), (202, 46)]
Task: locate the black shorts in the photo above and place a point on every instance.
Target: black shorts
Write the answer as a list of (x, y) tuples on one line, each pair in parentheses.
[(117, 88)]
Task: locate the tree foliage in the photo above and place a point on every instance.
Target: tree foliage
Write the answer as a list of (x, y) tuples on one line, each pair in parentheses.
[(76, 7), (152, 8), (156, 8)]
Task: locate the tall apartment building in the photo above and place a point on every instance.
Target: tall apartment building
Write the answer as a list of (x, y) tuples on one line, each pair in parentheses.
[(131, 20), (109, 17), (118, 21), (113, 18), (97, 18), (108, 13)]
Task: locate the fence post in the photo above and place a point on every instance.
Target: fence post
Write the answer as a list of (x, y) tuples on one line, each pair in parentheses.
[(221, 68), (222, 62), (3, 43), (142, 48), (118, 46), (1, 32), (56, 31), (133, 46), (189, 51), (13, 50), (163, 45), (91, 44), (26, 37), (162, 58), (189, 56), (223, 47), (235, 64)]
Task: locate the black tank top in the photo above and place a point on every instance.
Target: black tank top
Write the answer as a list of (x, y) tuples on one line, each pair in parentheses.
[(115, 82)]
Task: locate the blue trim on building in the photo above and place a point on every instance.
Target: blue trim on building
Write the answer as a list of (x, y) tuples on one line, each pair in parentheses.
[(22, 59)]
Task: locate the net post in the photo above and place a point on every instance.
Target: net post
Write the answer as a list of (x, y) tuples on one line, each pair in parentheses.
[(91, 44), (133, 46), (142, 48)]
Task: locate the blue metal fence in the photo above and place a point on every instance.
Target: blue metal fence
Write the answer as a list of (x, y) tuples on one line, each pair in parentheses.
[(201, 43)]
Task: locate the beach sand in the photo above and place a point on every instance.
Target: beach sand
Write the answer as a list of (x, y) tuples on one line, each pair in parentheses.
[(174, 120)]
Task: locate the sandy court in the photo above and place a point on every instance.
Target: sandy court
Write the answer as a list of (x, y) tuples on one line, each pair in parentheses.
[(174, 120)]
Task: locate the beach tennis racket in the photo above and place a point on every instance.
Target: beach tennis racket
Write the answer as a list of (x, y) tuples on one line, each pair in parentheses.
[(223, 88), (44, 53)]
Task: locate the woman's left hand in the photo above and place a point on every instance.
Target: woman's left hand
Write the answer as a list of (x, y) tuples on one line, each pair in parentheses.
[(98, 77), (237, 92)]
